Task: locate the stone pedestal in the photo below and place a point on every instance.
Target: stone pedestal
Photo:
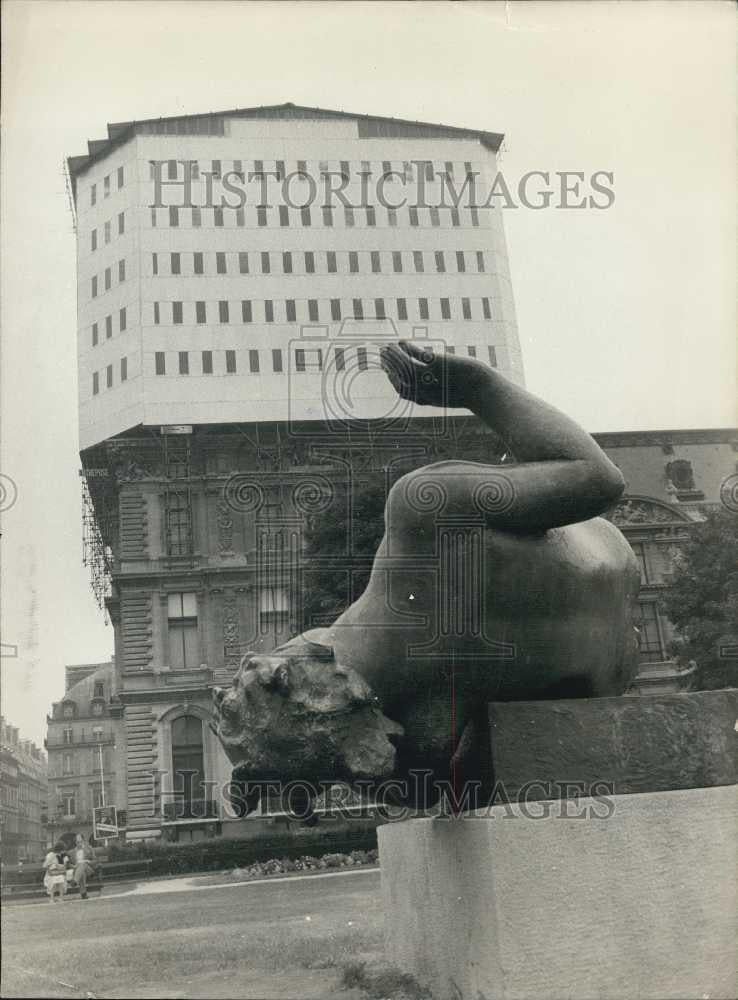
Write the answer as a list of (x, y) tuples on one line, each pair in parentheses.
[(628, 897)]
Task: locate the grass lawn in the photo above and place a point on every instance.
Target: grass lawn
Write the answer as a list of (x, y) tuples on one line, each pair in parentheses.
[(288, 939)]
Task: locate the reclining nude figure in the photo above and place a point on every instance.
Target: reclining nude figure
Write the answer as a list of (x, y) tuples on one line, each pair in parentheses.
[(492, 583)]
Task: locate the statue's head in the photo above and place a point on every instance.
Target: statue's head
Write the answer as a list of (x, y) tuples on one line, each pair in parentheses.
[(301, 717)]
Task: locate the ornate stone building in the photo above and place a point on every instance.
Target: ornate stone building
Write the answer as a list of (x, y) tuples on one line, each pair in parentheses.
[(23, 795)]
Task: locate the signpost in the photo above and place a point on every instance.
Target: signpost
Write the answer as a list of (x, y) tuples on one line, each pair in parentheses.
[(104, 822)]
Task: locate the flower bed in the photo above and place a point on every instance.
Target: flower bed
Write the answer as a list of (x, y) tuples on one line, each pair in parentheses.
[(305, 863)]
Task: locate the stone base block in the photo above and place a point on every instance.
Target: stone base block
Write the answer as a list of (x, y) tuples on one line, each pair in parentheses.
[(630, 897)]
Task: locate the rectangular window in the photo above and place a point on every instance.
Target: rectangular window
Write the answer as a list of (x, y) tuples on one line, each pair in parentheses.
[(423, 308), (121, 270), (480, 261), (106, 230), (276, 360), (254, 362), (287, 262), (207, 362), (231, 362), (291, 311), (361, 358), (121, 223), (223, 312), (449, 168), (313, 310), (428, 170), (109, 376), (106, 186), (93, 240), (69, 804), (413, 216), (173, 215), (649, 633), (124, 369), (182, 608), (450, 349), (348, 216), (492, 356), (217, 172), (335, 309), (358, 309), (392, 216), (345, 169), (445, 309), (418, 261), (153, 218), (120, 178), (279, 170), (486, 311), (309, 262), (268, 311), (93, 194), (265, 263), (160, 363), (108, 279), (68, 736), (184, 363), (284, 215), (240, 217), (401, 309), (243, 262), (220, 263), (154, 263), (177, 312), (460, 262), (246, 311), (171, 170), (261, 216), (353, 261), (475, 216), (122, 319), (156, 313), (108, 327), (331, 261), (340, 359), (305, 216), (471, 351), (327, 215), (440, 262), (371, 216), (198, 263), (299, 359), (435, 217), (200, 312), (196, 217), (258, 167), (386, 167), (466, 308), (455, 221), (376, 261), (397, 261), (218, 216), (175, 263), (94, 334), (95, 383), (379, 309)]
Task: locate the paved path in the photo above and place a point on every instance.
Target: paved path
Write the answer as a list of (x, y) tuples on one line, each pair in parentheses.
[(194, 883)]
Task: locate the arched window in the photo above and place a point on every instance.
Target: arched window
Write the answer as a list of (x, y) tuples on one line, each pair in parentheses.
[(187, 766)]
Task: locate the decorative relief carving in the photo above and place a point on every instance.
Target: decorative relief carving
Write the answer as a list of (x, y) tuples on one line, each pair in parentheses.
[(635, 511), (231, 631), (225, 528)]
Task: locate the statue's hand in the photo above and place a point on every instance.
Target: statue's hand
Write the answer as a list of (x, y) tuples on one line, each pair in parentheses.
[(433, 380)]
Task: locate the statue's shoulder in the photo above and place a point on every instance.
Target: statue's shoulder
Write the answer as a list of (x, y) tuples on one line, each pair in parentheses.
[(312, 643)]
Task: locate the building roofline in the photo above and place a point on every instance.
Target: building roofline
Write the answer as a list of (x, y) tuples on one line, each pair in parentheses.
[(120, 132)]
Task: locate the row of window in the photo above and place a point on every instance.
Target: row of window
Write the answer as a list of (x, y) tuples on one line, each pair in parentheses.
[(305, 359), (68, 762), (310, 262), (277, 169), (106, 229), (107, 185), (68, 801), (314, 310), (260, 216), (108, 324), (109, 376), (97, 286)]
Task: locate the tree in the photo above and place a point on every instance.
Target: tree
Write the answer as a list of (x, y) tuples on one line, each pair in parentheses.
[(702, 600), (337, 570)]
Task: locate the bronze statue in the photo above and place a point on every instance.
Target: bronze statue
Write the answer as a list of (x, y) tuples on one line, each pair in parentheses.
[(492, 583)]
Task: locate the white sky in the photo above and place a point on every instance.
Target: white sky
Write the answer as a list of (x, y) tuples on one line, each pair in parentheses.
[(626, 316)]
